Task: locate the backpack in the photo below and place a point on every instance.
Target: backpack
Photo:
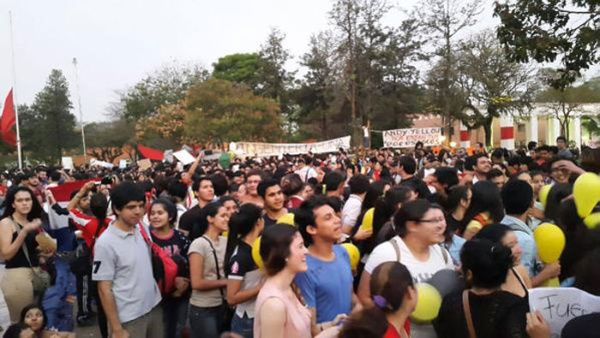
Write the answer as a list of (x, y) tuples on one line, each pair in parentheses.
[(397, 250), (164, 267)]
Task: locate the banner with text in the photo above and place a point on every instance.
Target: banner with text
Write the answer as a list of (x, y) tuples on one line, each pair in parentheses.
[(559, 305), (407, 138), (274, 149)]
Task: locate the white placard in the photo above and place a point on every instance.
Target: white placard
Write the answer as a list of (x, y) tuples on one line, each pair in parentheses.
[(184, 157), (67, 162), (95, 162), (122, 164), (559, 305), (276, 149), (407, 138)]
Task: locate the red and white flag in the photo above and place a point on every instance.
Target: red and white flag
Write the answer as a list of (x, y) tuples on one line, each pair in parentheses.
[(8, 121)]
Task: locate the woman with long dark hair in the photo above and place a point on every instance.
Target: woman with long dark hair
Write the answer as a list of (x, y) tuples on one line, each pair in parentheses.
[(486, 208), (21, 222), (244, 279), (207, 274)]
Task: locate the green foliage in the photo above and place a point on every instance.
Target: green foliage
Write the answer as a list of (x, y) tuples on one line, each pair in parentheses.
[(587, 92), (220, 111), (166, 86), (547, 30), (239, 68), (47, 126), (489, 79)]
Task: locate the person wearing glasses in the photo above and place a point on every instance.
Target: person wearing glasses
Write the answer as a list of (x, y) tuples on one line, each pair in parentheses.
[(420, 227)]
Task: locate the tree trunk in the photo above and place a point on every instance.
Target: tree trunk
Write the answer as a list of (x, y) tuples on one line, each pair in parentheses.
[(487, 128)]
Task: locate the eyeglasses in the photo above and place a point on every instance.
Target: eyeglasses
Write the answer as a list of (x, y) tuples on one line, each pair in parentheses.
[(434, 220)]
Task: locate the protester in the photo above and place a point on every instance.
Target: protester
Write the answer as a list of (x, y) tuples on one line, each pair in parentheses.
[(244, 278), (205, 194), (20, 223), (251, 196), (485, 208), (123, 269), (327, 284), (163, 215), (394, 299), (420, 228), (484, 310), (33, 317), (293, 188), (208, 280), (279, 311), (358, 190), (273, 200)]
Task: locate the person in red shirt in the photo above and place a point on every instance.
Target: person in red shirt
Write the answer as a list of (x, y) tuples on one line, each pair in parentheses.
[(394, 298)]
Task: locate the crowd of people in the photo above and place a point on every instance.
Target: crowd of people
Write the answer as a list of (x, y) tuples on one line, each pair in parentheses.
[(268, 247)]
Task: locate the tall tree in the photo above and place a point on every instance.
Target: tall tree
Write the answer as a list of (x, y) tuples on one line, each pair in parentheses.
[(242, 68), (48, 127), (444, 19), (220, 111), (547, 30), (105, 140), (488, 79), (165, 86)]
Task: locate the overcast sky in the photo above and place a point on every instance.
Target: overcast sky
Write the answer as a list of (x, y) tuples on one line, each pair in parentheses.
[(118, 42)]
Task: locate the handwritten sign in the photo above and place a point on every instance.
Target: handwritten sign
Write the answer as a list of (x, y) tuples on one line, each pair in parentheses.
[(406, 138), (559, 305), (275, 149), (67, 163), (184, 157), (144, 164)]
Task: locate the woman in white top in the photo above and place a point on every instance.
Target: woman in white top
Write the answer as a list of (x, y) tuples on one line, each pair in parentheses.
[(420, 228)]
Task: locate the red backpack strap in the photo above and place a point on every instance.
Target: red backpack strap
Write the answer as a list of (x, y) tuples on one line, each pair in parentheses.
[(144, 233)]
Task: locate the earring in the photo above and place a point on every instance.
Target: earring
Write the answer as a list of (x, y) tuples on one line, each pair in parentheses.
[(286, 260)]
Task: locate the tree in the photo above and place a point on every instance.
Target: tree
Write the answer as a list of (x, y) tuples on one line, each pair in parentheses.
[(47, 126), (547, 30), (489, 79), (316, 91), (220, 111), (564, 102), (167, 85), (377, 77), (165, 129), (240, 68), (105, 140), (443, 20)]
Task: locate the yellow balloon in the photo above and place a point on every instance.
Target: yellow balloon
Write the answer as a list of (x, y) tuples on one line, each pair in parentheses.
[(367, 221), (353, 253), (543, 195), (256, 254), (593, 220), (429, 302), (550, 241), (286, 219), (586, 191)]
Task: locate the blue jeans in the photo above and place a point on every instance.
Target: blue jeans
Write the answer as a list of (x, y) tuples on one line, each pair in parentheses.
[(175, 315), (206, 322), (243, 325)]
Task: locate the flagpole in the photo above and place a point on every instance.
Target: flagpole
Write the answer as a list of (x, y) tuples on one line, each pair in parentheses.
[(80, 111), (14, 74)]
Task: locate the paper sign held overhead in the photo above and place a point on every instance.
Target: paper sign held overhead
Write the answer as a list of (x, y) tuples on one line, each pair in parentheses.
[(407, 138), (184, 157), (67, 162), (144, 164)]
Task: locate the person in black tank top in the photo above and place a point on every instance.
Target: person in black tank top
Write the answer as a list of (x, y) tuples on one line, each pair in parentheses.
[(20, 223)]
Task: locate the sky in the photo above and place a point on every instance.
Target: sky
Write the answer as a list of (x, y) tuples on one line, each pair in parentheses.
[(119, 42)]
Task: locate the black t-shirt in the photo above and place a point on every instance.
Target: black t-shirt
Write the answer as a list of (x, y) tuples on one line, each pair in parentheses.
[(176, 245), (452, 224), (268, 220), (187, 220), (497, 315), (241, 261)]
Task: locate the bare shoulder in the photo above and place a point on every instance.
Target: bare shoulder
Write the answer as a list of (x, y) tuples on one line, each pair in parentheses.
[(273, 306), (6, 224)]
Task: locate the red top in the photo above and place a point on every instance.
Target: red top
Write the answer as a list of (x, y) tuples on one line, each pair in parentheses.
[(88, 226), (393, 333)]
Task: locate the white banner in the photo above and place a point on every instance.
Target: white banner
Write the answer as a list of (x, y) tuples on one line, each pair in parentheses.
[(275, 149), (559, 305), (407, 138)]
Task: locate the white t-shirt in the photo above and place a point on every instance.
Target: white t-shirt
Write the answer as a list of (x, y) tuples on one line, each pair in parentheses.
[(420, 271)]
